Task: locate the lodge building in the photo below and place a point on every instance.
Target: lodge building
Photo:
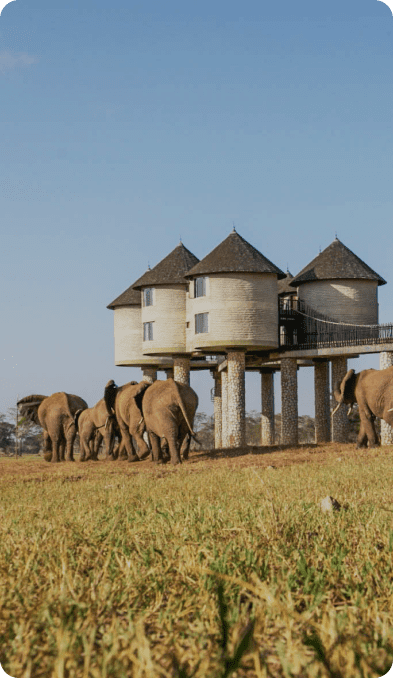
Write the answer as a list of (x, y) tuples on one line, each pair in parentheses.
[(235, 311)]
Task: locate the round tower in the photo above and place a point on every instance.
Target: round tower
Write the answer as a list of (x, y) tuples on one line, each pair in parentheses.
[(128, 334), (163, 317), (340, 285), (233, 300)]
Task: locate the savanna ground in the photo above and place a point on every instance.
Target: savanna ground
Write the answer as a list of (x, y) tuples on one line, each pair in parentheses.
[(225, 566)]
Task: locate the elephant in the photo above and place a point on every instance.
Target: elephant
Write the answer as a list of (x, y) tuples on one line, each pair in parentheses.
[(58, 415), (95, 425), (165, 409), (372, 390), (125, 403)]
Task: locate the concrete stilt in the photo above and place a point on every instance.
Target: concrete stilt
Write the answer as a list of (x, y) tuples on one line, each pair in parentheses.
[(149, 374), (169, 373), (217, 410), (322, 401), (289, 406), (267, 418), (224, 408), (181, 370), (339, 425), (386, 360), (236, 399)]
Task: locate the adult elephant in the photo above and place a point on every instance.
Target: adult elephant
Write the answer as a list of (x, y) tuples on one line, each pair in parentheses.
[(94, 426), (165, 409), (372, 390), (125, 402), (58, 415)]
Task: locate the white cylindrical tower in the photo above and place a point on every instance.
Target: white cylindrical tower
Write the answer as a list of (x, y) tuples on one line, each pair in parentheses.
[(163, 315), (233, 299), (128, 333), (340, 286)]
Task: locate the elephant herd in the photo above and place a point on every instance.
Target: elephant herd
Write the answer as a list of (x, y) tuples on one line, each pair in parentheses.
[(158, 417)]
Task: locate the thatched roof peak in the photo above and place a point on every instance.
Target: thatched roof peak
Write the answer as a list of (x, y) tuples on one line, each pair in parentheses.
[(336, 262), (169, 271), (234, 255)]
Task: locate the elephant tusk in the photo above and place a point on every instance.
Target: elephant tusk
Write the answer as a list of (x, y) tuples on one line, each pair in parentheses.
[(391, 409), (335, 409)]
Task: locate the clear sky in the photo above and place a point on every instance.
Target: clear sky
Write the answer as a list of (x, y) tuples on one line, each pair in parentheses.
[(126, 125)]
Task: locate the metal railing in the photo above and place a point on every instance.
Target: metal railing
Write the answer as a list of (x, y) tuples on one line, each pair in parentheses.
[(302, 327)]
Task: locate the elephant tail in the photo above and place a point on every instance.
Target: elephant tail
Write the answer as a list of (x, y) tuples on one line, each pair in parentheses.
[(29, 405), (110, 396), (76, 418), (183, 409)]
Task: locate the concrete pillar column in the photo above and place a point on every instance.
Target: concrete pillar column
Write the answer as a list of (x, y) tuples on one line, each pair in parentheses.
[(289, 406), (267, 418), (181, 370), (224, 409), (236, 399), (217, 410), (386, 360), (339, 424), (322, 401), (149, 374)]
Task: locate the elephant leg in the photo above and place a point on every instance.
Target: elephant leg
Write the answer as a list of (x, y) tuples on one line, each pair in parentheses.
[(361, 440), (83, 447), (95, 445), (109, 442), (370, 431), (122, 452), (55, 450), (143, 449), (47, 447), (184, 440), (155, 447), (70, 437), (62, 447), (174, 447), (128, 445)]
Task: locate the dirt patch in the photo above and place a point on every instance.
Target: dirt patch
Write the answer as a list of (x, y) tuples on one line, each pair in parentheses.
[(36, 469)]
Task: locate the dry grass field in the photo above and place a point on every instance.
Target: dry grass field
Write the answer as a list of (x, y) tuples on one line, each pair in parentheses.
[(224, 566)]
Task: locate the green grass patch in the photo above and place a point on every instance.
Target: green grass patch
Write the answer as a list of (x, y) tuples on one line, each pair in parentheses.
[(197, 571)]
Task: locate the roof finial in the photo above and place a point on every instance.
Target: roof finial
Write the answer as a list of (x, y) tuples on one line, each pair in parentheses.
[(234, 228), (336, 235), (148, 265), (181, 242), (320, 250)]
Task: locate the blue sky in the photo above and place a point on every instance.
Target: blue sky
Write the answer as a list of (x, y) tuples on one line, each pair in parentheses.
[(127, 125)]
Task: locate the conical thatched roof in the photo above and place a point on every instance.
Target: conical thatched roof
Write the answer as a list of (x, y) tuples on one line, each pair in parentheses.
[(128, 298), (336, 262), (284, 285), (235, 255), (169, 271)]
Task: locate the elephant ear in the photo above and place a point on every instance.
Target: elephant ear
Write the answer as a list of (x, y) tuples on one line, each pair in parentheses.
[(28, 407), (341, 390), (110, 396)]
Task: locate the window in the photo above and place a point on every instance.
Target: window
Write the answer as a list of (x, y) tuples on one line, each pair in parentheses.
[(200, 287), (147, 331), (148, 296), (201, 323)]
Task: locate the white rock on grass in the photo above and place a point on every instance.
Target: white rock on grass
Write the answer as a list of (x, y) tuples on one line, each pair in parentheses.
[(329, 504)]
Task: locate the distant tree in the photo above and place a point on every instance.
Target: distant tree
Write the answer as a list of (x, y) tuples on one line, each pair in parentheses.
[(7, 431), (204, 428), (29, 434)]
